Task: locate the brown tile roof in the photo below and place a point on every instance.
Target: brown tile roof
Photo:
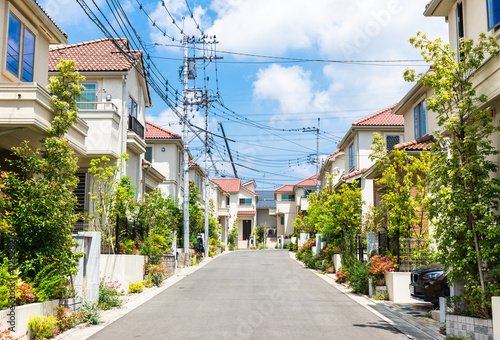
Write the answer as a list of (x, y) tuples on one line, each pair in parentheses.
[(352, 174), (419, 144), (285, 188), (154, 131), (229, 184), (193, 164), (383, 117), (59, 28), (246, 212), (96, 55)]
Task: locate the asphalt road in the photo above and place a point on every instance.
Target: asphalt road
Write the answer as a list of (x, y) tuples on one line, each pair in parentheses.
[(250, 295)]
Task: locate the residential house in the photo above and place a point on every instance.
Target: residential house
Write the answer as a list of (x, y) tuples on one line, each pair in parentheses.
[(266, 215), (164, 150), (358, 141), (242, 204), (26, 35), (467, 19), (291, 200), (219, 197), (113, 105), (197, 176), (334, 165)]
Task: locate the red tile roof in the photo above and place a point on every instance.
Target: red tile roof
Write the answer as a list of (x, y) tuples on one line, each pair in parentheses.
[(383, 117), (285, 188), (419, 144), (335, 153), (194, 164), (229, 184), (308, 182), (59, 28), (154, 131), (96, 55), (352, 174), (246, 212)]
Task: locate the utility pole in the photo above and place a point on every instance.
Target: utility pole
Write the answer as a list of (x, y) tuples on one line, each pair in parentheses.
[(207, 172), (186, 147), (315, 129)]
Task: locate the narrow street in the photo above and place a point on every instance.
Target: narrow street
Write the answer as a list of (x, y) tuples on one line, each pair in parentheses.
[(251, 295)]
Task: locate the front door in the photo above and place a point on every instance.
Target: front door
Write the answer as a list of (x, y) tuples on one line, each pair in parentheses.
[(247, 229)]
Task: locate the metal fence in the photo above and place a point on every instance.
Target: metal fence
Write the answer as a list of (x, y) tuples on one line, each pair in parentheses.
[(411, 253)]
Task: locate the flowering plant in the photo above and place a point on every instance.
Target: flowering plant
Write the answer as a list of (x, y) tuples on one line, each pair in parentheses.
[(342, 275), (308, 245), (110, 294), (379, 265), (25, 294)]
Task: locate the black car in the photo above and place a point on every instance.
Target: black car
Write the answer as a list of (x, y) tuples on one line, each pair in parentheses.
[(429, 284)]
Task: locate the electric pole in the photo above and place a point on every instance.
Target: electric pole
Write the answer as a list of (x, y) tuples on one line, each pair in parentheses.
[(315, 129), (186, 147)]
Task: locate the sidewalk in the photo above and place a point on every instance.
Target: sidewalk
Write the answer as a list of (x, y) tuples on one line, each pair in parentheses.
[(409, 318), (108, 317)]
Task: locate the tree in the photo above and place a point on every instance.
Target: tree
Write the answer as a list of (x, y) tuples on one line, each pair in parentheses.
[(41, 204), (464, 194), (403, 189)]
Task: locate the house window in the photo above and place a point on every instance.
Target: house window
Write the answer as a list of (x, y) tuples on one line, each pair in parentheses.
[(282, 220), (351, 156), (391, 141), (149, 154), (307, 192), (288, 197), (419, 117), (20, 50), (197, 180), (88, 97), (493, 9), (180, 164), (132, 107), (227, 201), (245, 201), (460, 28)]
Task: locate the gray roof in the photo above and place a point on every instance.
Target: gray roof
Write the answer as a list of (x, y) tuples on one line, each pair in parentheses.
[(266, 199)]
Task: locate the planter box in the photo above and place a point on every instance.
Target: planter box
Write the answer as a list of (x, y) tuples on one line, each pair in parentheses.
[(20, 315), (467, 327), (398, 286), (123, 268)]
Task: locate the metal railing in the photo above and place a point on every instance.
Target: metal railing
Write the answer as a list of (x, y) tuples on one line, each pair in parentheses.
[(104, 106), (134, 125)]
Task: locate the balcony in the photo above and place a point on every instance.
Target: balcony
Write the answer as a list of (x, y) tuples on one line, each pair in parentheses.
[(104, 135), (27, 107), (134, 125)]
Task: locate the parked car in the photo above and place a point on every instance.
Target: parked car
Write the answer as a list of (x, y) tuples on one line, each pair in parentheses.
[(429, 283)]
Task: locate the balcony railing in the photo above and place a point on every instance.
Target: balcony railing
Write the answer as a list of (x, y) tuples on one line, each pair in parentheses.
[(104, 106), (134, 125)]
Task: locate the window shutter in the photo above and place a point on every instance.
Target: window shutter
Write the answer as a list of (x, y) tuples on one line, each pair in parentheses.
[(391, 141)]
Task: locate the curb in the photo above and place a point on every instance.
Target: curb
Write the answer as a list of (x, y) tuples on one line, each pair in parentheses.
[(81, 332), (399, 321)]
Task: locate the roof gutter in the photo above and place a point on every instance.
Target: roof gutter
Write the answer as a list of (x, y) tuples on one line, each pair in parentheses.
[(429, 11), (406, 98)]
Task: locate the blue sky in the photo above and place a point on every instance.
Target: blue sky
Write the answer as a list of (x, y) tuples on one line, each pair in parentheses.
[(289, 63)]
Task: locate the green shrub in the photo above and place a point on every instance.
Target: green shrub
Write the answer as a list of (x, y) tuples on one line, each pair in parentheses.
[(231, 247), (136, 287), (359, 277), (299, 255), (41, 328), (51, 283), (157, 278), (90, 313), (5, 279)]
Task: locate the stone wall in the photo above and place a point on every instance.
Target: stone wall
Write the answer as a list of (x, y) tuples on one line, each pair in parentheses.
[(467, 327)]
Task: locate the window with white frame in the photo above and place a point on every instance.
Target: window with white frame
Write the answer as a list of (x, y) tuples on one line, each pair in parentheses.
[(245, 201), (288, 197), (20, 49), (420, 120), (391, 141), (132, 107), (351, 156), (228, 201), (493, 11), (149, 154), (88, 97)]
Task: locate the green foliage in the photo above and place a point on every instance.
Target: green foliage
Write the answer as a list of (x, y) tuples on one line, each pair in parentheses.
[(5, 284), (65, 88), (233, 233), (41, 328), (403, 189), (66, 319), (51, 283), (465, 195), (90, 313), (157, 278), (260, 232), (358, 277), (196, 215), (136, 287), (108, 196)]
